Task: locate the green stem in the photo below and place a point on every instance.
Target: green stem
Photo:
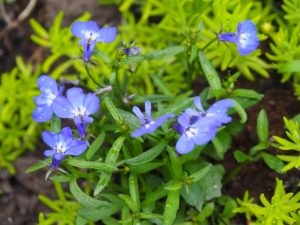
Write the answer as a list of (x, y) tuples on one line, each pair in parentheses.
[(89, 74), (209, 43)]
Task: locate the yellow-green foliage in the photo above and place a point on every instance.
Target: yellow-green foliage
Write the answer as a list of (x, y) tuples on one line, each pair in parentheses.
[(63, 210), (293, 144), (18, 131), (282, 209)]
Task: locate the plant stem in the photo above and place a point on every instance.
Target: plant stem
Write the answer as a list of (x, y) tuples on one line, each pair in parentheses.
[(89, 74), (209, 43)]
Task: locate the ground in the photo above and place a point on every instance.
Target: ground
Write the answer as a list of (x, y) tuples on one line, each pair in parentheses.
[(18, 194)]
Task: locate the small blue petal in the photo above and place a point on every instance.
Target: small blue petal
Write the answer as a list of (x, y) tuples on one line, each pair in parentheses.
[(139, 114), (184, 145), (75, 96), (229, 37), (47, 84), (107, 34), (77, 147), (42, 114), (49, 153), (139, 132), (91, 102), (57, 157), (62, 108), (148, 110), (50, 138), (80, 29)]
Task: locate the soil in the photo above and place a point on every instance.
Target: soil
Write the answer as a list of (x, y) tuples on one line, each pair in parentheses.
[(19, 204)]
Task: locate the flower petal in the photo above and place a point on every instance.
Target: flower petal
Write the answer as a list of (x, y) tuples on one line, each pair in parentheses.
[(139, 114), (184, 120), (77, 147), (49, 153), (139, 132), (219, 111), (184, 145), (197, 103), (148, 110), (79, 29), (107, 34), (91, 102), (50, 138), (62, 108), (75, 96), (57, 157), (42, 114), (47, 84)]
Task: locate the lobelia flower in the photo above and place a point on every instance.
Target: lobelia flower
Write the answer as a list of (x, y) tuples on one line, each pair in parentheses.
[(200, 127), (49, 92), (148, 124), (198, 133), (90, 33), (77, 106), (218, 111), (245, 38), (132, 51), (62, 144)]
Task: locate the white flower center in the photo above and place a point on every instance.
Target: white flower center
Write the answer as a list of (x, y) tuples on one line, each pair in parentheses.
[(243, 39), (147, 125), (90, 36), (79, 111), (191, 132), (50, 97), (60, 147)]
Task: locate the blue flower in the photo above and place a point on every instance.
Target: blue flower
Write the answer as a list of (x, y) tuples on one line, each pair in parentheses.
[(198, 127), (218, 111), (148, 124), (90, 33), (198, 133), (132, 51), (49, 92), (62, 144), (77, 106), (245, 38)]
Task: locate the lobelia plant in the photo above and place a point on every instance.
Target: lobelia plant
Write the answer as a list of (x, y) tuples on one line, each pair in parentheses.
[(154, 168)]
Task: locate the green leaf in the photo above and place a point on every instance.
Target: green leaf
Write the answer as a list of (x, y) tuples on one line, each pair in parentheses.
[(173, 185), (171, 207), (262, 126), (290, 67), (113, 111), (210, 73), (246, 93), (134, 192), (241, 111), (240, 156), (39, 165), (85, 199), (201, 173), (167, 52), (61, 178), (98, 214), (111, 159), (55, 124), (144, 168), (193, 195), (273, 162), (95, 146), (158, 54), (128, 200), (148, 155), (37, 27), (91, 165)]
